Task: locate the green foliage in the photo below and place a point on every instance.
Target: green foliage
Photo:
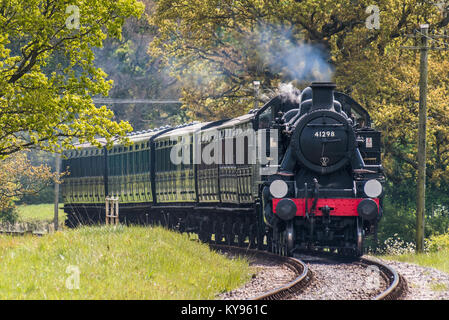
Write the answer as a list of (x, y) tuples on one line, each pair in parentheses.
[(438, 260), (18, 178), (397, 220), (48, 76), (396, 231), (46, 195), (438, 243), (9, 214), (43, 212), (136, 75), (395, 246), (399, 217)]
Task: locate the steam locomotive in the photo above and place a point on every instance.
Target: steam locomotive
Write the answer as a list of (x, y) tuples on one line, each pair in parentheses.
[(296, 173)]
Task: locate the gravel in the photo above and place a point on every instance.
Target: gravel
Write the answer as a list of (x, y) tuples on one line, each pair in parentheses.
[(337, 280), (332, 280), (423, 283), (268, 275)]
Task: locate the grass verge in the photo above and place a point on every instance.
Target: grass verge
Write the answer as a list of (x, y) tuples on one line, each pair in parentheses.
[(438, 260), (115, 263), (38, 212)]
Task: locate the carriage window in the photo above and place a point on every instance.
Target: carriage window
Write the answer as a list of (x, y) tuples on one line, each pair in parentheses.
[(111, 164), (159, 160), (100, 166), (146, 160), (130, 163), (139, 162), (89, 165), (122, 163)]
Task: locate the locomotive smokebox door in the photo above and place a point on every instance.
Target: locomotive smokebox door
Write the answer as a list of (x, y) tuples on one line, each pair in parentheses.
[(323, 139)]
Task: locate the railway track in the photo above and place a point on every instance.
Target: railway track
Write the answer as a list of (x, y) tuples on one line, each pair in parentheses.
[(302, 273), (397, 284), (394, 285)]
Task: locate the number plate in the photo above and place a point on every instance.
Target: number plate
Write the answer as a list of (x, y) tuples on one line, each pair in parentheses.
[(324, 134)]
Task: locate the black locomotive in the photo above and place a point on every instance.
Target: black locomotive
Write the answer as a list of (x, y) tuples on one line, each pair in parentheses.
[(296, 173)]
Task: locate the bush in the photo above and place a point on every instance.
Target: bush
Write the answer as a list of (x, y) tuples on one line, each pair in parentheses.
[(18, 178), (397, 222), (396, 246), (47, 195), (9, 214), (439, 242)]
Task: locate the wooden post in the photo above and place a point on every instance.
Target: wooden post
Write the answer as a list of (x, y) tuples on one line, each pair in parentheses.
[(422, 124), (112, 212), (107, 211), (56, 198), (116, 211)]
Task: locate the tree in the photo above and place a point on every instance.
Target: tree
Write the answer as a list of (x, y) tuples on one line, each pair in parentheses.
[(216, 48), (47, 72), (137, 75), (18, 178)]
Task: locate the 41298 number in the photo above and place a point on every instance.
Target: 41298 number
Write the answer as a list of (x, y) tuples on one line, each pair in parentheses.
[(324, 134)]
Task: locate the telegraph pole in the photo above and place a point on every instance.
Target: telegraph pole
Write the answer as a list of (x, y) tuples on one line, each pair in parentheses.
[(56, 199), (422, 124)]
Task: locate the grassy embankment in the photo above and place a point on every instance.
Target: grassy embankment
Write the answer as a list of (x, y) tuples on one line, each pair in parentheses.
[(438, 260), (115, 263), (38, 212), (437, 255)]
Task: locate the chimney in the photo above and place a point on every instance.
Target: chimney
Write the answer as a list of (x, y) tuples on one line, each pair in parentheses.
[(323, 95)]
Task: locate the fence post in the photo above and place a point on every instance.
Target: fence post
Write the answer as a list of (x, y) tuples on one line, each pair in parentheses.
[(112, 212)]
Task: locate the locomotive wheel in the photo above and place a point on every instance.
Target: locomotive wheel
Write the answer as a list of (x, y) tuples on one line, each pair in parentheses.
[(217, 232), (290, 237), (359, 245), (261, 228), (167, 220), (283, 243), (229, 237), (276, 241), (204, 237), (204, 234), (241, 235), (226, 233), (181, 225), (252, 236), (279, 242), (274, 246), (270, 240)]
